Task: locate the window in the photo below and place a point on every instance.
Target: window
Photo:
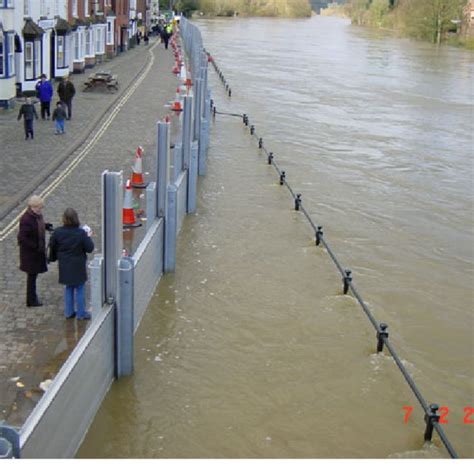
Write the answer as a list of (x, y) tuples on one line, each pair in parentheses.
[(26, 8), (2, 56), (86, 8), (61, 54), (74, 8), (29, 73), (76, 46), (89, 42), (37, 58), (110, 32), (11, 54)]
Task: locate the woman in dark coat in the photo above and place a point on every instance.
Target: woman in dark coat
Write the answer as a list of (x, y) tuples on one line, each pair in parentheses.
[(69, 245), (32, 242)]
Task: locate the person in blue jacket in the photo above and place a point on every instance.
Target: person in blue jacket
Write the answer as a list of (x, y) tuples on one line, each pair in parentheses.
[(69, 245), (44, 91)]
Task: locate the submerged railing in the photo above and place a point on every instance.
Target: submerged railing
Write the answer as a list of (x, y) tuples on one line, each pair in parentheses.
[(431, 418)]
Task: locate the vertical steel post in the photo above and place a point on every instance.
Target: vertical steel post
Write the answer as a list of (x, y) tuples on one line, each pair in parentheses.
[(197, 108), (150, 204), (96, 267), (163, 165), (192, 178), (125, 319), (187, 129), (171, 229), (112, 242), (178, 165), (431, 418)]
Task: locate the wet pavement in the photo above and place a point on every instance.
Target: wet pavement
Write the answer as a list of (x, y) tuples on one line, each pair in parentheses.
[(104, 132)]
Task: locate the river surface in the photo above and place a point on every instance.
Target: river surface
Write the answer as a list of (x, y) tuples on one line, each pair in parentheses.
[(250, 350)]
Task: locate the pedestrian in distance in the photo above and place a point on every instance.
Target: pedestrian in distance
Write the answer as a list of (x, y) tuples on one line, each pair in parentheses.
[(66, 92), (69, 245), (32, 242), (59, 116), (146, 38), (44, 92), (28, 111)]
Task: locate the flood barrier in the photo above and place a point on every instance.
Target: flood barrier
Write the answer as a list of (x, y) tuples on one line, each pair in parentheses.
[(122, 286), (431, 416)]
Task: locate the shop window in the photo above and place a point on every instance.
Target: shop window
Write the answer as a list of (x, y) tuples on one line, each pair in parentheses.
[(2, 56)]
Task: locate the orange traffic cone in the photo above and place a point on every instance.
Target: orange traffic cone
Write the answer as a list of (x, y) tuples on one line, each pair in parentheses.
[(177, 107), (128, 214), (137, 170)]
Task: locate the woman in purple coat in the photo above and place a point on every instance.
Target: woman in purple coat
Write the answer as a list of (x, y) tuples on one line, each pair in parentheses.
[(32, 242)]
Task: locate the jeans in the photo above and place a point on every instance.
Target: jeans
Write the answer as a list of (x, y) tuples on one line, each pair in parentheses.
[(59, 125), (79, 293)]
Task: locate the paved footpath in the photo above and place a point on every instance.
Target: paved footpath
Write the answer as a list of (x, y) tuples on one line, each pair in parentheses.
[(34, 342)]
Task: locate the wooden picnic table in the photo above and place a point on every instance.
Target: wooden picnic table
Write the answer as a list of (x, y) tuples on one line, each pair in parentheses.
[(101, 79)]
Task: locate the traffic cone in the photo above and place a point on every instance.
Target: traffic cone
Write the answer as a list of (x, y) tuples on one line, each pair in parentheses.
[(177, 107), (128, 214), (137, 170)]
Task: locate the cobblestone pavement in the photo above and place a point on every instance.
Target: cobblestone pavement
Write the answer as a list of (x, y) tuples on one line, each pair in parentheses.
[(34, 342)]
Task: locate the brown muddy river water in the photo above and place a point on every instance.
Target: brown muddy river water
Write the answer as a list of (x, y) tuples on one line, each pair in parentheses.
[(251, 350)]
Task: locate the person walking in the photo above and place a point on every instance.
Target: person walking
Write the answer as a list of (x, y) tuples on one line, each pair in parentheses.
[(28, 111), (146, 38), (66, 92), (44, 91), (69, 245), (32, 242), (59, 116)]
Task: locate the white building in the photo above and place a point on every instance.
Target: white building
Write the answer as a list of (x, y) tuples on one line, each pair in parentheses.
[(36, 38)]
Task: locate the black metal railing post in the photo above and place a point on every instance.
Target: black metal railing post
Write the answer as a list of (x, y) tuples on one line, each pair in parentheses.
[(431, 418)]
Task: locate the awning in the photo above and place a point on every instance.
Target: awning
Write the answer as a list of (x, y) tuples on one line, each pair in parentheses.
[(32, 29)]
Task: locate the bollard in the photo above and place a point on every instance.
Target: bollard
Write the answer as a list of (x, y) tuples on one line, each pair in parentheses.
[(382, 336), (252, 129), (270, 158), (347, 279), (319, 234), (282, 178), (260, 142), (245, 119), (230, 92), (431, 418), (297, 202)]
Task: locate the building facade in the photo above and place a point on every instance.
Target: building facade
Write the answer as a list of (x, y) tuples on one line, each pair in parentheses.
[(60, 37)]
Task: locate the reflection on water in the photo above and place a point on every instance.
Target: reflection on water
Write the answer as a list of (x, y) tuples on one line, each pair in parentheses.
[(250, 350)]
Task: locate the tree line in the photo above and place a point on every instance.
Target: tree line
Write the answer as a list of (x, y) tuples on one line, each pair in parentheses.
[(432, 20)]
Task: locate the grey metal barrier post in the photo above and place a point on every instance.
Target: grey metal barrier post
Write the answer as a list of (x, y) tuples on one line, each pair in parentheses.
[(178, 160), (171, 229), (112, 242), (192, 178), (125, 319), (197, 108), (9, 442), (97, 283), (162, 175), (150, 204), (187, 129)]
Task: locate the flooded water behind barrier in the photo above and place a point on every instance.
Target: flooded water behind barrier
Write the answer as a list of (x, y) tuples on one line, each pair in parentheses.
[(250, 350)]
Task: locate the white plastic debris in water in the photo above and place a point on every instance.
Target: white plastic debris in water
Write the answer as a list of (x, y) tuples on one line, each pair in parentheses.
[(14, 379), (44, 385), (158, 359), (20, 385)]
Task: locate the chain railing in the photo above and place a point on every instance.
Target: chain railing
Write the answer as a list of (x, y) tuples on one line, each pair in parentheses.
[(431, 417)]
